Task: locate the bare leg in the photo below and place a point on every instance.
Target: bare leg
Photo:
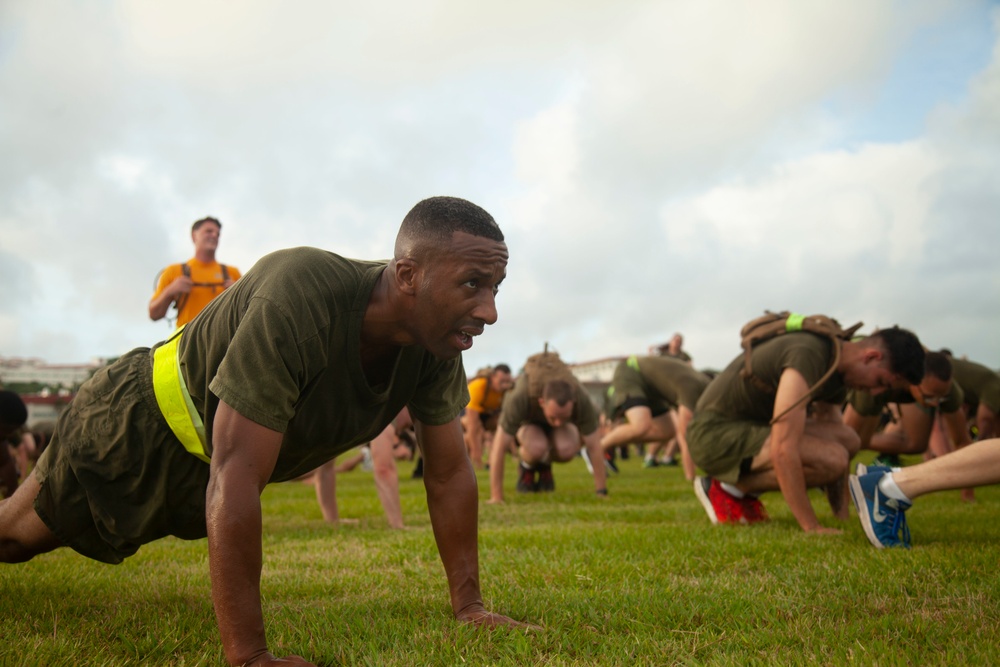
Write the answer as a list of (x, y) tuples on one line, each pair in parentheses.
[(325, 479), (386, 477), (977, 464)]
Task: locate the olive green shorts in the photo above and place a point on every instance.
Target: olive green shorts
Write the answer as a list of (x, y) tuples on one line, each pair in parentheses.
[(114, 477), (723, 447)]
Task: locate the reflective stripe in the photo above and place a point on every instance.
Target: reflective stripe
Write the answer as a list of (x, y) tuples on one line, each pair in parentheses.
[(794, 322), (633, 363), (174, 400)]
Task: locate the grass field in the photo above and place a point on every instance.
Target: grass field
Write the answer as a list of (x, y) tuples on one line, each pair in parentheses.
[(641, 578)]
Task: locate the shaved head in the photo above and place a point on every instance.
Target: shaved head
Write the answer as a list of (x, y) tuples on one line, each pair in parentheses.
[(432, 222)]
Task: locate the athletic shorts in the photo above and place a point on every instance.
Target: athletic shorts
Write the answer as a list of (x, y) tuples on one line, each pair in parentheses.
[(114, 476), (724, 447)]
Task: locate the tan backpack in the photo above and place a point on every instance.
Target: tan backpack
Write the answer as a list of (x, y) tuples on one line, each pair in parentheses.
[(544, 367), (769, 325)]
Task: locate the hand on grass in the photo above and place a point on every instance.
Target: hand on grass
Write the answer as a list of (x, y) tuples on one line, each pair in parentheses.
[(478, 616), (267, 659)]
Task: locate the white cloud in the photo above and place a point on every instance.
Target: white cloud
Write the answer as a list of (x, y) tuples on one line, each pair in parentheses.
[(656, 166)]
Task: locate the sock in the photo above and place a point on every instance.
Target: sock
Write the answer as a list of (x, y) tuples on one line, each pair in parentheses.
[(731, 490), (525, 466), (889, 487)]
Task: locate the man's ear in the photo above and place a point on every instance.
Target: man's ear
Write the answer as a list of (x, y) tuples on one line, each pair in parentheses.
[(873, 354), (407, 275)]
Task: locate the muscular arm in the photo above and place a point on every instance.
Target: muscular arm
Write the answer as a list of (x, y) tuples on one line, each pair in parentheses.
[(159, 305), (452, 500), (985, 422), (786, 439), (864, 426), (243, 458), (473, 424), (498, 453), (683, 417)]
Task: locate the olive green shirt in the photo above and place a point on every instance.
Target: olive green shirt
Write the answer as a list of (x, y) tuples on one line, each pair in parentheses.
[(520, 407), (282, 348), (738, 398), (980, 384), (665, 382), (867, 405)]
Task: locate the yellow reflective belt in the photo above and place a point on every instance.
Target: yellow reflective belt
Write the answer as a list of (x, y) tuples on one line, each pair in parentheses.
[(633, 363), (174, 400)]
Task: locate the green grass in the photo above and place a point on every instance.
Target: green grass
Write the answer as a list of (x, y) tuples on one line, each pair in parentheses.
[(641, 578)]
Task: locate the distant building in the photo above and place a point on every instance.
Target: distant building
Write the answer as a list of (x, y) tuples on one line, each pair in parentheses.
[(45, 407), (17, 370)]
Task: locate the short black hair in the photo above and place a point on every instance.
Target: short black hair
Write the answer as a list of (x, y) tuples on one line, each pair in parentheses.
[(906, 354), (199, 223), (502, 368), (435, 219), (559, 391), (13, 412), (937, 364)]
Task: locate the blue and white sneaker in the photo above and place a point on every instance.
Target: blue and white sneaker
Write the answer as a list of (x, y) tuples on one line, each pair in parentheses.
[(861, 469), (883, 518)]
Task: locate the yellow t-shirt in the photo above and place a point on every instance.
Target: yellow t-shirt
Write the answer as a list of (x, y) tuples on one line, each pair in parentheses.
[(208, 284), (482, 399)]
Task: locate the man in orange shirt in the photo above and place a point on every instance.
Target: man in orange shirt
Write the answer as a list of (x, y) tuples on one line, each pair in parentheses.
[(480, 417), (193, 284)]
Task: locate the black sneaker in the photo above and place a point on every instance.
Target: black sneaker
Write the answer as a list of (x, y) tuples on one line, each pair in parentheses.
[(545, 479), (526, 480)]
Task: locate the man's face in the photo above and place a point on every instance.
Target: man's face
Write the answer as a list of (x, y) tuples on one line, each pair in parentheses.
[(931, 391), (556, 415), (871, 372), (456, 292), (501, 381), (206, 237)]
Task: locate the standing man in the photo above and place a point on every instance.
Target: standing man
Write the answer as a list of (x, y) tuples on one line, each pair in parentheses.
[(755, 433), (653, 399), (181, 439), (191, 285), (675, 348), (486, 392), (548, 415)]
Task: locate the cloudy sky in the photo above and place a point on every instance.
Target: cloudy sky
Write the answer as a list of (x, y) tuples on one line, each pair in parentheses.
[(655, 166)]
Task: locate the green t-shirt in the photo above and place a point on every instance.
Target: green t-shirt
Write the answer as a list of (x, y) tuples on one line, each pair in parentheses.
[(737, 398), (282, 347), (519, 407), (665, 382), (980, 384), (867, 405)]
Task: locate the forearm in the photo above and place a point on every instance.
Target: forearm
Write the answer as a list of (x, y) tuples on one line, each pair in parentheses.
[(498, 454), (453, 506), (985, 423), (159, 306), (786, 437), (234, 552)]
